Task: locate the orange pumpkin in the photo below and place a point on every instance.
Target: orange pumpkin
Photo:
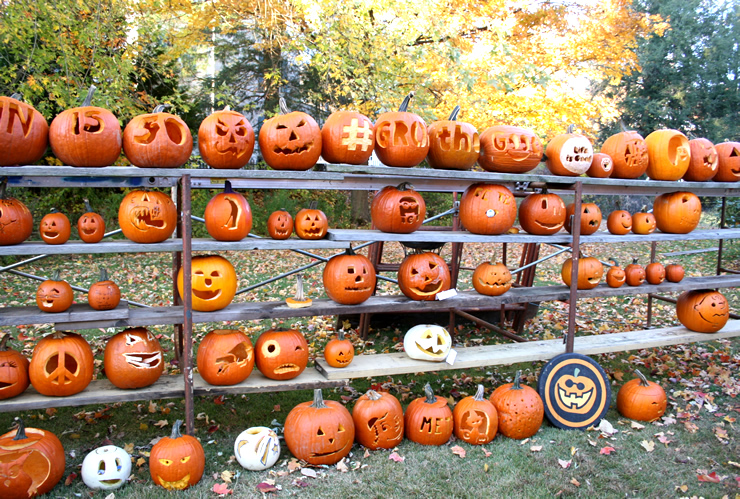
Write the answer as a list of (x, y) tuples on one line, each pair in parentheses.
[(399, 210), (55, 228), (13, 371), (615, 276), (703, 310), (475, 419), (281, 353), (54, 295), (453, 145), (226, 140), (280, 224), (491, 279), (704, 162), (349, 278), (677, 212), (629, 153), (16, 221), (569, 154), (90, 226), (641, 400), (133, 358), (421, 276), (509, 149), (590, 271), (147, 216), (619, 222), (213, 282), (62, 364), (428, 419), (634, 273), (542, 213), (643, 223), (520, 409), (157, 140), (104, 294), (654, 273), (674, 272), (225, 357), (228, 215), (290, 140), (24, 132), (311, 223), (347, 137), (401, 137), (177, 462), (378, 418), (669, 155), (488, 209), (339, 351), (602, 166), (590, 218), (728, 158)]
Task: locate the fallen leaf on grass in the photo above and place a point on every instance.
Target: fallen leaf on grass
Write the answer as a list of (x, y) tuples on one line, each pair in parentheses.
[(70, 478), (535, 448), (459, 451), (294, 465), (690, 427), (682, 488), (395, 457), (637, 426), (129, 448), (607, 428), (607, 450), (161, 423), (342, 466), (226, 476), (733, 463), (265, 487), (721, 435), (648, 446), (222, 489), (565, 464), (220, 400), (486, 452), (575, 482), (300, 483), (308, 472), (140, 462), (712, 477)]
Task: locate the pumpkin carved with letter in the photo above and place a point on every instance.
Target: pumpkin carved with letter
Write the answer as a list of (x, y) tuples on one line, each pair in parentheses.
[(401, 137), (453, 145), (509, 149), (24, 132), (428, 419), (569, 154)]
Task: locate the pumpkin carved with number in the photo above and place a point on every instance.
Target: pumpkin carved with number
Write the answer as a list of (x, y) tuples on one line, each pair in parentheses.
[(157, 140)]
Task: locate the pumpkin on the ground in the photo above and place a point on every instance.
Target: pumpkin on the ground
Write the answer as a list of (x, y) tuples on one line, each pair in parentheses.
[(428, 419), (177, 462), (378, 418), (107, 467), (475, 419), (641, 400), (520, 409), (257, 448)]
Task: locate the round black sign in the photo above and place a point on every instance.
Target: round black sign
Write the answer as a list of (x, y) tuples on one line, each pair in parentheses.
[(575, 391)]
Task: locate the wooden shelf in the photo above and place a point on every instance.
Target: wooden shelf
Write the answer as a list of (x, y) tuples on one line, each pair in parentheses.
[(364, 366)]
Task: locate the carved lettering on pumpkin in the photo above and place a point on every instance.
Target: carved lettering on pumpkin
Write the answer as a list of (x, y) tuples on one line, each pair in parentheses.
[(399, 134), (89, 122), (16, 113), (517, 146), (434, 425), (456, 140), (357, 136)]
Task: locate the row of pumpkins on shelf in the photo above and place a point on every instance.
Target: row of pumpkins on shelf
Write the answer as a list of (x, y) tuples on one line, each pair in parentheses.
[(319, 432), (90, 136)]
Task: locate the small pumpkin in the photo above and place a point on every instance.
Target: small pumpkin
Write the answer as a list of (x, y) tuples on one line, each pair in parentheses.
[(629, 153), (491, 279), (615, 276), (520, 409), (133, 358), (569, 154), (728, 158), (428, 419), (16, 221), (487, 209), (453, 145), (55, 228), (509, 149), (674, 272), (54, 295), (226, 140), (280, 224), (677, 212), (428, 342), (228, 215), (704, 162), (225, 357), (590, 271), (157, 140), (257, 448), (177, 462), (347, 137), (590, 218), (641, 400), (281, 353), (703, 310), (602, 166), (24, 132), (104, 294), (349, 278), (147, 216), (475, 419), (634, 273), (311, 223), (378, 418), (655, 273), (619, 222), (106, 468), (399, 210), (542, 213), (401, 137), (319, 432), (90, 225), (669, 154), (290, 140), (62, 364), (643, 222), (13, 370), (339, 351), (422, 275), (213, 282)]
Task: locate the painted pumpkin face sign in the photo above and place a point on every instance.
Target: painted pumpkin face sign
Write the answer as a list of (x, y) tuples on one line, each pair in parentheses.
[(226, 140), (281, 353), (213, 282), (575, 393), (427, 342), (106, 468), (509, 149), (147, 216), (133, 358), (257, 448), (422, 275)]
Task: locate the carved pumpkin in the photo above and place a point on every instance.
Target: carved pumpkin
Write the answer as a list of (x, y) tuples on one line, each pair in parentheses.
[(629, 153), (488, 209), (280, 224), (569, 154), (641, 400), (704, 162), (104, 294), (226, 140), (31, 462), (615, 276), (401, 137), (311, 223), (399, 210), (619, 222), (61, 364), (643, 223), (228, 215), (225, 357), (349, 279), (24, 132), (339, 351), (55, 228), (602, 166), (378, 418), (703, 310), (422, 275), (674, 272), (106, 468), (86, 136), (475, 419), (213, 282), (427, 342), (590, 271), (677, 212), (509, 149), (13, 371), (491, 279), (590, 218), (453, 145), (428, 419), (728, 157), (520, 409), (654, 273), (54, 295), (669, 155), (16, 221), (319, 432), (257, 448), (634, 273), (133, 358), (281, 353), (147, 216), (542, 213), (290, 140), (90, 225), (347, 137), (178, 461), (157, 140)]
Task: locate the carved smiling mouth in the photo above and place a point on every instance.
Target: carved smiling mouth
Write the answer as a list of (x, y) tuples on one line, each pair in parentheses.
[(88, 231), (51, 234), (5, 385), (430, 288), (206, 294), (47, 303), (177, 485), (111, 482), (494, 285), (143, 360)]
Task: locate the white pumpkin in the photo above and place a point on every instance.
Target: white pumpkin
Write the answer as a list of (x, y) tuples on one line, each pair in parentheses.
[(106, 467), (427, 342), (257, 448)]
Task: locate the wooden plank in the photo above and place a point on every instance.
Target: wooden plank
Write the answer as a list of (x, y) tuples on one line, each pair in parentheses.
[(258, 383), (79, 312), (78, 247), (364, 366), (690, 252), (265, 243)]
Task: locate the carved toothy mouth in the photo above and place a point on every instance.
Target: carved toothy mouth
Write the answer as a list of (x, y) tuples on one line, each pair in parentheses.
[(494, 285), (342, 361), (434, 352), (293, 150), (313, 230), (177, 485), (286, 368), (573, 400), (429, 288), (356, 290), (206, 295), (235, 149), (143, 218), (47, 303), (143, 360)]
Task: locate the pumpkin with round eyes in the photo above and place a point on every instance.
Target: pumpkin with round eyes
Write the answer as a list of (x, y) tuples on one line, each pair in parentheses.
[(350, 278), (453, 145), (487, 209), (228, 215), (428, 342), (590, 271), (225, 357), (641, 400), (422, 275), (542, 213), (520, 409), (106, 468), (16, 220), (509, 149), (339, 351), (629, 153), (157, 140), (178, 461), (615, 276), (226, 140), (378, 418), (290, 140), (399, 210), (213, 282), (475, 419), (602, 166), (569, 154), (728, 158), (86, 136), (24, 132), (257, 448), (90, 225), (590, 218), (654, 273), (347, 137), (677, 212), (280, 224), (311, 223), (147, 216), (133, 358), (619, 222), (104, 294), (401, 137), (703, 310), (13, 370), (55, 228), (281, 353), (634, 273), (491, 279), (674, 272), (62, 364), (428, 419), (643, 223), (704, 162), (319, 432), (669, 155), (54, 295)]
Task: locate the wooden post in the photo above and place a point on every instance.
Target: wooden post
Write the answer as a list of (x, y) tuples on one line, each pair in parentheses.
[(575, 244), (187, 291)]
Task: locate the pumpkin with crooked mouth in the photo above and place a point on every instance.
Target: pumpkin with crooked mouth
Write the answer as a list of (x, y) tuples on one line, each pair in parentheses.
[(213, 282), (492, 279), (542, 213), (350, 278), (281, 353), (147, 216), (225, 357), (178, 461), (106, 468), (54, 295), (703, 310), (226, 140), (590, 271), (427, 342), (421, 276), (290, 140), (619, 222), (590, 218), (643, 223), (133, 358)]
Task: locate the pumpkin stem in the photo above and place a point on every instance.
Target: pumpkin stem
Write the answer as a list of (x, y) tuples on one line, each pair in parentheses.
[(55, 276), (516, 385), (53, 210), (4, 342), (176, 429), (373, 395), (299, 296), (17, 96), (615, 262), (340, 335), (227, 108), (478, 397), (634, 261), (430, 397), (405, 186), (283, 106), (103, 274), (88, 208), (318, 399), (643, 379), (622, 126), (88, 98), (227, 187), (405, 104), (572, 128), (454, 113), (3, 187), (313, 205), (20, 432), (160, 108)]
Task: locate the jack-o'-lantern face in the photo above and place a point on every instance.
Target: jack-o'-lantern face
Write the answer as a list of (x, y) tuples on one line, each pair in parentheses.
[(619, 222), (703, 310), (590, 218), (13, 371), (54, 295), (712, 308), (311, 223), (427, 342), (615, 277), (55, 228), (349, 279), (9, 374), (509, 149), (280, 224), (643, 223), (106, 468), (575, 394), (421, 276), (257, 448), (492, 279), (704, 160), (601, 166), (147, 216), (290, 141), (157, 140), (213, 282), (177, 462), (281, 354), (226, 140), (487, 209), (728, 154), (542, 213), (91, 227), (133, 358)]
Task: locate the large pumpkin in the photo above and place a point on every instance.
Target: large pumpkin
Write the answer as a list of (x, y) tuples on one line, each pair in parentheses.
[(133, 358), (54, 295), (488, 209), (281, 353), (347, 137), (86, 136), (509, 149), (13, 370), (90, 225), (453, 145), (728, 157), (641, 399), (16, 221), (290, 140), (225, 357), (62, 364), (349, 278), (590, 218), (178, 461), (629, 153), (24, 132), (520, 409), (542, 213), (569, 154), (399, 210), (378, 418), (704, 162), (104, 294), (703, 310), (213, 282), (228, 215), (422, 275), (428, 419), (475, 419), (590, 271), (226, 140), (31, 462), (157, 140), (319, 432), (669, 154), (401, 137), (677, 212), (147, 216)]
